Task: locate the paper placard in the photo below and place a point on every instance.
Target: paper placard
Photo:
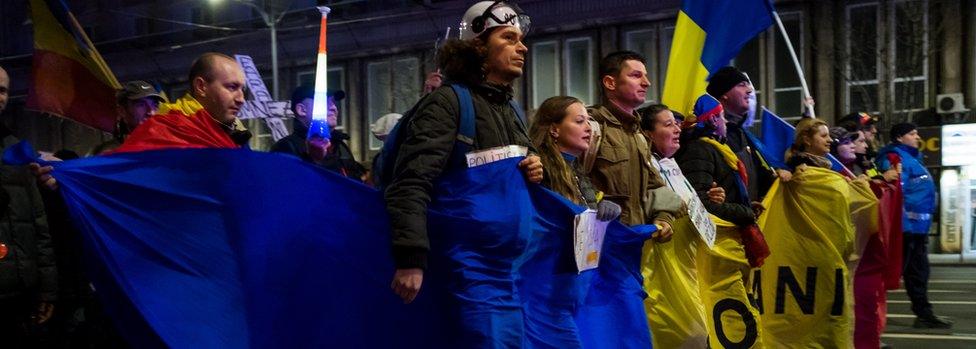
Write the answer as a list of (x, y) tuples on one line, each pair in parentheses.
[(696, 210), (490, 155), (588, 233)]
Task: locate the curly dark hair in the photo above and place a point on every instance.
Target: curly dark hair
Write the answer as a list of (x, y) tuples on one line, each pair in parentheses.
[(463, 61)]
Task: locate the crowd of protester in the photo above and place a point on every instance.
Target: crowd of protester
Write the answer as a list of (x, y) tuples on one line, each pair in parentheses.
[(600, 156)]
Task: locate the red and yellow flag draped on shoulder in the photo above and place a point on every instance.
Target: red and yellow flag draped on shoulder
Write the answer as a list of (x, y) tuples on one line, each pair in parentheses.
[(181, 124)]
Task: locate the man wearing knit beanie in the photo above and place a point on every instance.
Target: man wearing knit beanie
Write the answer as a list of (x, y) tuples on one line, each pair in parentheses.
[(732, 88), (918, 189)]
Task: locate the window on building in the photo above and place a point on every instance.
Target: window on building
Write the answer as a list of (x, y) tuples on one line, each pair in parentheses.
[(750, 62), (645, 42), (911, 65), (393, 85), (579, 69), (902, 72), (545, 74), (788, 91), (654, 43), (667, 34), (863, 61), (337, 81), (766, 60)]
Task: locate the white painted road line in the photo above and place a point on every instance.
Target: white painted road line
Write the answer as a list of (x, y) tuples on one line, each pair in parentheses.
[(945, 281), (929, 336), (901, 316), (901, 290), (935, 302)]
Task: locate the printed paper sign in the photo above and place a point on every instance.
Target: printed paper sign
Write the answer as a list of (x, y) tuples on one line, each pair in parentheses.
[(588, 240), (490, 155), (696, 210)]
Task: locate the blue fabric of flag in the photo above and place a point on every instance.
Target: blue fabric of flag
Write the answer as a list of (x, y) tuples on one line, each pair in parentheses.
[(728, 25), (229, 248), (777, 136)]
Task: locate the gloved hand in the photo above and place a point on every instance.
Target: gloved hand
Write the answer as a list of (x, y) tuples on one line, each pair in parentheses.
[(607, 210)]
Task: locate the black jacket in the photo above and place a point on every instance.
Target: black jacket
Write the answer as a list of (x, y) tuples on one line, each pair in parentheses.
[(703, 165), (427, 143), (339, 159), (760, 177), (28, 269)]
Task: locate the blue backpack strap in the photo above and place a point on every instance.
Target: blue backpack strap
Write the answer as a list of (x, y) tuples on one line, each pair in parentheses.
[(466, 123), (518, 112)]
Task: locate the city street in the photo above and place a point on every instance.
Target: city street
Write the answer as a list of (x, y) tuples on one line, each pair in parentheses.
[(952, 291)]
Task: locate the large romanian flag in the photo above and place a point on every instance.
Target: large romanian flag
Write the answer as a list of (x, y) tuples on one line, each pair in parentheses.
[(709, 33), (69, 77)]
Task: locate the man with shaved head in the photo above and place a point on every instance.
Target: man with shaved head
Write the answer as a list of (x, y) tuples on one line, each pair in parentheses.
[(206, 117)]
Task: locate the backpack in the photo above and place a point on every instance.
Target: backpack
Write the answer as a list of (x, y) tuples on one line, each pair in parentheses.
[(384, 162)]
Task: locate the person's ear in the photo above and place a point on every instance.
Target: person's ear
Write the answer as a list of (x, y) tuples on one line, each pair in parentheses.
[(609, 83), (199, 86), (554, 132)]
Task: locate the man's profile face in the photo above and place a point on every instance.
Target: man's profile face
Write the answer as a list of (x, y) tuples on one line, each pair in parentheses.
[(223, 95), (737, 99), (630, 85), (303, 111), (4, 89), (506, 55)]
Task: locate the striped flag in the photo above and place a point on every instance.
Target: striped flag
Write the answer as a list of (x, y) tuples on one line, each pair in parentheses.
[(709, 33), (68, 77)]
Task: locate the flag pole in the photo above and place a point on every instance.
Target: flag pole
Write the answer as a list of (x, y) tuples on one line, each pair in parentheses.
[(796, 63), (319, 127)]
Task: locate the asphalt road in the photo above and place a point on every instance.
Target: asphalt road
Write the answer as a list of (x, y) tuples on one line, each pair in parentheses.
[(952, 292)]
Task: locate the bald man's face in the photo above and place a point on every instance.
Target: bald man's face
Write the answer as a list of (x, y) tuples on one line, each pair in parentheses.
[(223, 95), (4, 89)]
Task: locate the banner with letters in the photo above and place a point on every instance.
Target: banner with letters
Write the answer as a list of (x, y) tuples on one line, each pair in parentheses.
[(803, 291)]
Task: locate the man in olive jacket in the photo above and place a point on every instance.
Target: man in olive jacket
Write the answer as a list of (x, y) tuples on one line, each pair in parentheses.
[(622, 169), (28, 276)]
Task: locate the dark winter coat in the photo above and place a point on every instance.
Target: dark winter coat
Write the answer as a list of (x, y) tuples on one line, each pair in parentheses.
[(28, 269), (428, 140), (339, 158), (703, 165)]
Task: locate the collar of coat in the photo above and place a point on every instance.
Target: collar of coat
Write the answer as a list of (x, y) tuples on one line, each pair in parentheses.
[(618, 117)]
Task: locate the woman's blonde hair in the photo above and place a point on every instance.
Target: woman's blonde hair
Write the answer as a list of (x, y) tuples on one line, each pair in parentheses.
[(560, 176), (806, 128)]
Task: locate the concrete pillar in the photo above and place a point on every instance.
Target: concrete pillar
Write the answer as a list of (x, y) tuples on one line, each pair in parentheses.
[(950, 74), (823, 20), (970, 53)]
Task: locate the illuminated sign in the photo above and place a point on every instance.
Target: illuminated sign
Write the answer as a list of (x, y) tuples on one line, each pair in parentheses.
[(959, 145)]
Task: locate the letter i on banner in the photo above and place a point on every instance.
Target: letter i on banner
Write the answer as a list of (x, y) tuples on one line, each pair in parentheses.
[(320, 104)]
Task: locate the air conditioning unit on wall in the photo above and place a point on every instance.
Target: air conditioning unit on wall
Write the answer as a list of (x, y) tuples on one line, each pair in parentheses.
[(950, 103)]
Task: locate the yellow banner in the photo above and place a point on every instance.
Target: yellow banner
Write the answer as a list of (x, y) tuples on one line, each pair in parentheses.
[(697, 297), (804, 288), (675, 312), (724, 271)]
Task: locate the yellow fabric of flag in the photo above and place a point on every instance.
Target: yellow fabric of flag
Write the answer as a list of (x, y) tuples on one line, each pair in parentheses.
[(698, 295), (724, 271), (804, 288), (675, 312)]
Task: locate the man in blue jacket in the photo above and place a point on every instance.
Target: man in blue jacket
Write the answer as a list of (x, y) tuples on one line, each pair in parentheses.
[(918, 189)]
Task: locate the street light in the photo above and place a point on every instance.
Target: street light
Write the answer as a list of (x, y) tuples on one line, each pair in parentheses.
[(271, 21)]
